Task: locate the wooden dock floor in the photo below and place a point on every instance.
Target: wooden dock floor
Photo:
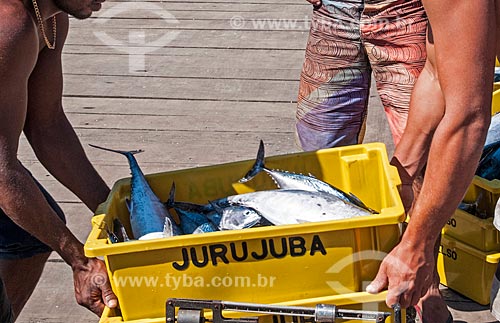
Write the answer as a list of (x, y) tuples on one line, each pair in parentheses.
[(192, 83)]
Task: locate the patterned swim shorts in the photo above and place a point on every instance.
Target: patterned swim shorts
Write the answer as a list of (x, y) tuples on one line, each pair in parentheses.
[(348, 41)]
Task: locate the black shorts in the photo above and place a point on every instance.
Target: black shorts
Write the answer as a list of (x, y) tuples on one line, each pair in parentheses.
[(6, 315), (16, 243)]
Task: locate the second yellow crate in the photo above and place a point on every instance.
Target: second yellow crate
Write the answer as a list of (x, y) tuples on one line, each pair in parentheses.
[(470, 229), (478, 233), (467, 270)]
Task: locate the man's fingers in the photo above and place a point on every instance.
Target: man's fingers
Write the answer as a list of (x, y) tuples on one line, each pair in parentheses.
[(108, 296), (393, 297), (97, 308), (379, 283)]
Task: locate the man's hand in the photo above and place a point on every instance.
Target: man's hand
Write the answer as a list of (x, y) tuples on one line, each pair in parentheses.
[(407, 273), (92, 288)]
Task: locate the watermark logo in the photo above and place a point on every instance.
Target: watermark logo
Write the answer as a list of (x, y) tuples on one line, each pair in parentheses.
[(136, 46), (176, 281), (348, 261), (240, 22), (326, 25), (363, 259)]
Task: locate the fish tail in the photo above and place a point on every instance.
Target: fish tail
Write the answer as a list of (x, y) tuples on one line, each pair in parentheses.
[(356, 201), (132, 152), (257, 167)]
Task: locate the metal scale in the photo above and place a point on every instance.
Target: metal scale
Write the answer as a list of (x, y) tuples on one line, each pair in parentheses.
[(192, 311)]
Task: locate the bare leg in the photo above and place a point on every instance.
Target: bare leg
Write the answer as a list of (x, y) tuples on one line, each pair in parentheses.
[(20, 277)]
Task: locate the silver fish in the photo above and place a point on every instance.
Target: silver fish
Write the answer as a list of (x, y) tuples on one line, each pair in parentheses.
[(286, 206), (493, 130), (149, 218), (288, 180), (210, 217)]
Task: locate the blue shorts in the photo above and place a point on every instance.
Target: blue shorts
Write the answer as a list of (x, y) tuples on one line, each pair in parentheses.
[(16, 243)]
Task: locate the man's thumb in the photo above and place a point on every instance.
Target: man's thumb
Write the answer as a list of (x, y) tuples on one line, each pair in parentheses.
[(108, 296), (378, 284)]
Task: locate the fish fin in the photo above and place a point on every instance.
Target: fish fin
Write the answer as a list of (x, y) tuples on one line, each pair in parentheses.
[(217, 208), (133, 152), (257, 167), (168, 229), (265, 222), (125, 235), (275, 182), (171, 197)]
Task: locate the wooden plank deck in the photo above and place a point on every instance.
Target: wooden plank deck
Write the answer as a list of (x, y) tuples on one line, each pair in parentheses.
[(205, 96)]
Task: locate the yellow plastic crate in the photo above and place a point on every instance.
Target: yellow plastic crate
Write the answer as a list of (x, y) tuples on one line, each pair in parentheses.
[(261, 265), (478, 233), (467, 270), (495, 104), (354, 301)]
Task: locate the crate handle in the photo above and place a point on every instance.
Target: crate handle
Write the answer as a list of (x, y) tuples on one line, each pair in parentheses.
[(93, 241), (394, 175)]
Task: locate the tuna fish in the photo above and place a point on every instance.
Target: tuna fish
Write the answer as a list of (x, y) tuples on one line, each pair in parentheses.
[(288, 206), (149, 218), (213, 217), (288, 180), (194, 214)]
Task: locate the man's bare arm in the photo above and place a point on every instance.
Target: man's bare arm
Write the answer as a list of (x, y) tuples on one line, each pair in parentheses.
[(20, 198), (464, 66), (49, 132)]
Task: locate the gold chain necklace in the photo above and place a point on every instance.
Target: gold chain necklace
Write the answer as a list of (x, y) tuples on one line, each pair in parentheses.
[(40, 25)]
